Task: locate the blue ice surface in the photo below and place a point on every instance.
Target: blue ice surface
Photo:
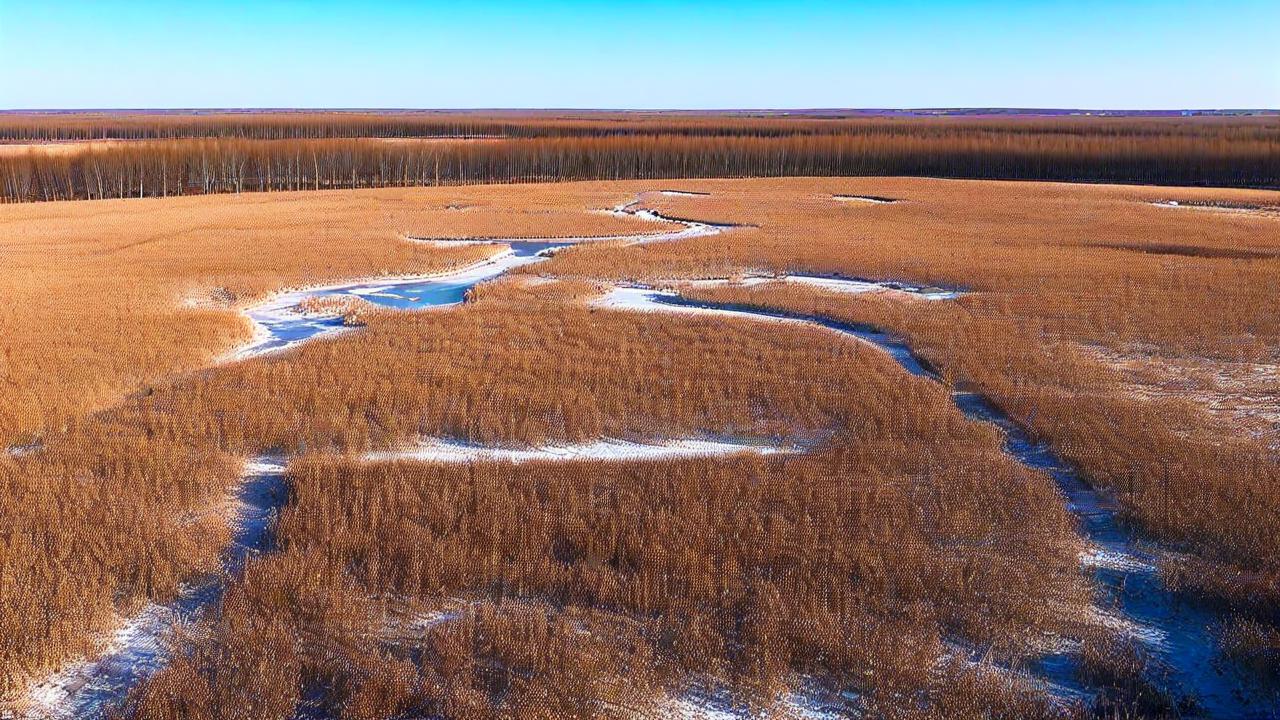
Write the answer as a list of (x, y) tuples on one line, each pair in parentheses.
[(286, 330)]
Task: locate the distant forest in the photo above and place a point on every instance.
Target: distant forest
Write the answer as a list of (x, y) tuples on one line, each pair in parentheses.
[(156, 155)]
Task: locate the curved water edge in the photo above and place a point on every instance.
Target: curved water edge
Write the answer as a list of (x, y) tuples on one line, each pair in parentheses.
[(278, 324), (870, 199), (1177, 632)]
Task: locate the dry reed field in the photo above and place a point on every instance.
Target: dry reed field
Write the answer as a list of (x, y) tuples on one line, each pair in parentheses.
[(103, 297), (1067, 282), (896, 561), (485, 373)]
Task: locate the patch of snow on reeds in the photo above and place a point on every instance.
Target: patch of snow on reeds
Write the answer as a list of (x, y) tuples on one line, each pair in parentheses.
[(437, 450)]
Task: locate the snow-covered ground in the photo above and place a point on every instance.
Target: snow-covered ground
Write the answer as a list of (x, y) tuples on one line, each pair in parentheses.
[(808, 701), (642, 298), (827, 283), (437, 450)]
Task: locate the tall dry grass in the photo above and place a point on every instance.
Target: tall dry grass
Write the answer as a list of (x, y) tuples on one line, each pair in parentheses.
[(1050, 288), (901, 488), (103, 298), (932, 520)]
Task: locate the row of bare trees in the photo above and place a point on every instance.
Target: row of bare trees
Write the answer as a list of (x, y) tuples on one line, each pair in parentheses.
[(184, 167), (63, 127)]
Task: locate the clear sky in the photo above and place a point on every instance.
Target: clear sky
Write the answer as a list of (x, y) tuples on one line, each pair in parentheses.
[(639, 54)]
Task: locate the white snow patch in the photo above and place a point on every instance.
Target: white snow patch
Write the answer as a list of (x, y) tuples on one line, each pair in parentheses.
[(24, 449), (437, 450), (826, 283), (642, 299), (830, 284), (841, 285), (450, 242), (1097, 557), (1249, 209), (1145, 634), (807, 703), (863, 199)]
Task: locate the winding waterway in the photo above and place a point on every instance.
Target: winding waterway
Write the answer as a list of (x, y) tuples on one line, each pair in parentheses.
[(1178, 632), (137, 648), (1132, 598)]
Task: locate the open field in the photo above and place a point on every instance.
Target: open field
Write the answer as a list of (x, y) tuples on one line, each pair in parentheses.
[(875, 548)]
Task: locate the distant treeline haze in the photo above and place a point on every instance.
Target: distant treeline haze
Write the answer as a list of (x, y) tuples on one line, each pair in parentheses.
[(206, 155)]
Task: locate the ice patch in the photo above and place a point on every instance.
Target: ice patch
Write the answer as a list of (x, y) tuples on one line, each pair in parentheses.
[(436, 450), (810, 701), (279, 325), (1097, 557), (1152, 637), (852, 286), (873, 199)]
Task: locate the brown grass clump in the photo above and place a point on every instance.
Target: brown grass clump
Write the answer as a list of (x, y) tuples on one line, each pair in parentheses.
[(96, 525), (102, 298), (350, 308), (1254, 641), (590, 589)]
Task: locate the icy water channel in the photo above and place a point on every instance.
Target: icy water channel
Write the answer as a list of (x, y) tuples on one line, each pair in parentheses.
[(1176, 631), (1132, 598)]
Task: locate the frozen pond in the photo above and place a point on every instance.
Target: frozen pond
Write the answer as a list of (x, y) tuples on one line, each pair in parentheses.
[(279, 323)]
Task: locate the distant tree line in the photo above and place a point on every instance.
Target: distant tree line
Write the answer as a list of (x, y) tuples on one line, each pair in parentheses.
[(222, 165), (279, 125)]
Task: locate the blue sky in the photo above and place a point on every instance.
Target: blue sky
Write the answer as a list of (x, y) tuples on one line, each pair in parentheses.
[(639, 54)]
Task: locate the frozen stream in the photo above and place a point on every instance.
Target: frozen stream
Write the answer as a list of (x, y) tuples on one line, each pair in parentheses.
[(1133, 600), (137, 648), (279, 324)]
